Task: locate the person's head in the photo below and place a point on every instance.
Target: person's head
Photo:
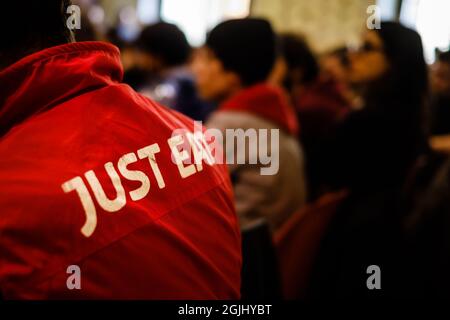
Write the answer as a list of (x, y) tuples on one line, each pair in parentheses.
[(391, 62), (296, 64), (30, 26), (237, 54), (335, 64), (392, 74), (162, 46), (440, 75)]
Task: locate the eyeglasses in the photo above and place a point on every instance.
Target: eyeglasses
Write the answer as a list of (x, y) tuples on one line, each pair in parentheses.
[(369, 47)]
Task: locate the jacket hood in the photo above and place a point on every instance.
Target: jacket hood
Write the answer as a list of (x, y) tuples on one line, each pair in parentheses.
[(266, 101), (48, 78)]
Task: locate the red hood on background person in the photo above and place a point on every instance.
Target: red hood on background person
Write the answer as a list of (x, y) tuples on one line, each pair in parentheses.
[(30, 86), (266, 101)]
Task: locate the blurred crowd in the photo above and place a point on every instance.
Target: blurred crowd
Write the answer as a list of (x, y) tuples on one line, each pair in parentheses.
[(364, 175), (359, 121)]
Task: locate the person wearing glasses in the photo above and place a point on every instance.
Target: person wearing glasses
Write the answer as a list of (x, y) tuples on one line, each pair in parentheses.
[(373, 152)]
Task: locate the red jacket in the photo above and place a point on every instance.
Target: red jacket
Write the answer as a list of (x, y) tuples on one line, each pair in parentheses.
[(87, 179), (267, 102), (320, 106)]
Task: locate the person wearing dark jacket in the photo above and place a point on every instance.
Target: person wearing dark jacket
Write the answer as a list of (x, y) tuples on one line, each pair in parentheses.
[(372, 154), (163, 54)]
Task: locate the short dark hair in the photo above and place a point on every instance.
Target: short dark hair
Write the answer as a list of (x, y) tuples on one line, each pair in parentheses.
[(247, 47), (29, 26), (298, 55), (167, 42)]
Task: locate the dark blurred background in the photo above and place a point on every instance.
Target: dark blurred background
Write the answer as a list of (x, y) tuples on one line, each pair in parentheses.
[(326, 24)]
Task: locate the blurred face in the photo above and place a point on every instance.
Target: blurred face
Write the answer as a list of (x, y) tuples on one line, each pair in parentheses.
[(214, 83), (129, 58), (332, 65), (369, 63), (440, 78), (146, 61)]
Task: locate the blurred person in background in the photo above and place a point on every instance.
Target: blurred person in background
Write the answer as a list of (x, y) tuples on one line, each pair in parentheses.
[(440, 88), (163, 52), (335, 65), (390, 74), (232, 69), (133, 75), (374, 152), (67, 124), (318, 99)]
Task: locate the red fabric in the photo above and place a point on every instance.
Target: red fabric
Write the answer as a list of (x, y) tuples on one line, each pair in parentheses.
[(63, 113), (297, 242), (320, 105), (266, 101)]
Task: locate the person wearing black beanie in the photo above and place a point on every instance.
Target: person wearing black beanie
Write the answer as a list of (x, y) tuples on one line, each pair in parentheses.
[(237, 53), (232, 69)]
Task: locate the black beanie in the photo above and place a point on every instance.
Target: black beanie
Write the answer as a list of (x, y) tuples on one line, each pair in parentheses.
[(245, 46), (166, 41)]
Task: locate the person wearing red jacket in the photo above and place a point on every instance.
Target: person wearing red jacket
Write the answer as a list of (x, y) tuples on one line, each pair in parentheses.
[(97, 197)]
